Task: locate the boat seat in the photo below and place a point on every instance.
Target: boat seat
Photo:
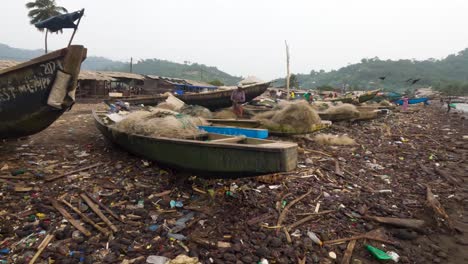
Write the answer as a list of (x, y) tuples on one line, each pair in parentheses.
[(228, 140)]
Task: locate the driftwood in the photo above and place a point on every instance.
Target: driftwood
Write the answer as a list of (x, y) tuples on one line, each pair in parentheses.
[(437, 207), (285, 210), (401, 222), (70, 219), (307, 219), (53, 178), (41, 248), (86, 219), (448, 177), (98, 212), (104, 207), (349, 252), (371, 235)]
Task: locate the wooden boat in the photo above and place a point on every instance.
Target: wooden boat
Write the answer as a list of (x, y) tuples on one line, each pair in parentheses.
[(35, 93), (211, 154), (414, 101), (247, 123), (360, 99), (137, 100), (222, 98)]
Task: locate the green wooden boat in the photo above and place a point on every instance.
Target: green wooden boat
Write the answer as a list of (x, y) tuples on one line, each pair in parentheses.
[(35, 93), (209, 154), (360, 99)]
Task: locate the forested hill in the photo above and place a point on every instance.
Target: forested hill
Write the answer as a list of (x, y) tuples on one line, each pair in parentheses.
[(431, 72), (150, 66)]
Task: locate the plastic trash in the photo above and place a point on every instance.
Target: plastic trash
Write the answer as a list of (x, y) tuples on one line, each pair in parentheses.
[(314, 238), (332, 255), (176, 236), (377, 253), (263, 261), (153, 227), (174, 204), (157, 259), (180, 223), (18, 172), (4, 251), (395, 257), (141, 204)]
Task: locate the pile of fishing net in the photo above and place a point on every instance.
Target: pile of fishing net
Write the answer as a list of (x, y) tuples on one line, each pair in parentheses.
[(341, 112), (329, 139), (161, 123), (298, 117), (226, 113)]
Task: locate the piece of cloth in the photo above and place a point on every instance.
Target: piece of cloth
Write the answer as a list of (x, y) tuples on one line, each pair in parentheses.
[(59, 22), (238, 96), (237, 109), (307, 97), (405, 103)]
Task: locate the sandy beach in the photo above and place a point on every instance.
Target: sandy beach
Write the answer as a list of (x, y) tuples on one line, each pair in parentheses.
[(397, 158)]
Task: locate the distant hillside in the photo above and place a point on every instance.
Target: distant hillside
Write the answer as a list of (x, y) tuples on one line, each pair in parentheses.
[(150, 66), (365, 75)]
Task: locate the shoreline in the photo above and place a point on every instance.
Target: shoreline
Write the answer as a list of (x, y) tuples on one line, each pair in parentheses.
[(384, 175)]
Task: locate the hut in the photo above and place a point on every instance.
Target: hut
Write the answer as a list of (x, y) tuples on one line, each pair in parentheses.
[(93, 85), (157, 84), (124, 82)]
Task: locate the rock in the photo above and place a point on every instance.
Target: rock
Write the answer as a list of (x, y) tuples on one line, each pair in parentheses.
[(262, 252), (405, 234), (229, 257), (437, 260), (276, 242), (247, 259), (356, 261), (309, 161), (442, 254)]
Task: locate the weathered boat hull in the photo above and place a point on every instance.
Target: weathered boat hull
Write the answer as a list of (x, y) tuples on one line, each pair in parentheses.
[(35, 93), (361, 99), (145, 100), (221, 99), (208, 158)]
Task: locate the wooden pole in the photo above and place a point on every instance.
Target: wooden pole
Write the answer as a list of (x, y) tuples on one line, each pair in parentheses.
[(288, 75), (69, 218), (98, 212), (41, 248), (76, 28), (86, 218), (46, 32), (104, 207)]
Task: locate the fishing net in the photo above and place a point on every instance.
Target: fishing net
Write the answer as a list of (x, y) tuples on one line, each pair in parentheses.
[(297, 117), (161, 123), (329, 139), (342, 112), (196, 110)]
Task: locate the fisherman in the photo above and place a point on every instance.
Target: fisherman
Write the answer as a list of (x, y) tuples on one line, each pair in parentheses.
[(308, 97), (293, 95), (238, 98), (405, 103), (449, 105), (278, 94)]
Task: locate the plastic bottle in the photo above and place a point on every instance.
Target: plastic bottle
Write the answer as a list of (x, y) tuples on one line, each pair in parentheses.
[(314, 238)]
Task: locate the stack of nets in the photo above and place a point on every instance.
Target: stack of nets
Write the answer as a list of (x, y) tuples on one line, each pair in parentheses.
[(341, 112), (191, 110), (297, 117), (161, 123)]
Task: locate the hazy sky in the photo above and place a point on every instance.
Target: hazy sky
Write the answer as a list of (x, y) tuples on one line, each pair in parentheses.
[(245, 37)]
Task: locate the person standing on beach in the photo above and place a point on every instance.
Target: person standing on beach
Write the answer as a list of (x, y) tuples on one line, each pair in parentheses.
[(449, 105), (238, 98), (405, 103)]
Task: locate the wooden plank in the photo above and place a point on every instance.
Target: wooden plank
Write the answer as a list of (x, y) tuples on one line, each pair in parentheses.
[(41, 248), (98, 212), (104, 207), (87, 219), (70, 219), (52, 178)]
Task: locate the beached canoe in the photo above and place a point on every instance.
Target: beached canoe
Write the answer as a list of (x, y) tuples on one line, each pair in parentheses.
[(414, 101), (35, 93), (151, 100), (360, 99), (222, 98), (211, 154)]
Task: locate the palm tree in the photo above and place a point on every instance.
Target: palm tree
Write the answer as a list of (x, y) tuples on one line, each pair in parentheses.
[(43, 9)]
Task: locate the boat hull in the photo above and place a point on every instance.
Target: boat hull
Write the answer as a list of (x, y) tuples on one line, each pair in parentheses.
[(26, 91), (222, 99), (207, 158)]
